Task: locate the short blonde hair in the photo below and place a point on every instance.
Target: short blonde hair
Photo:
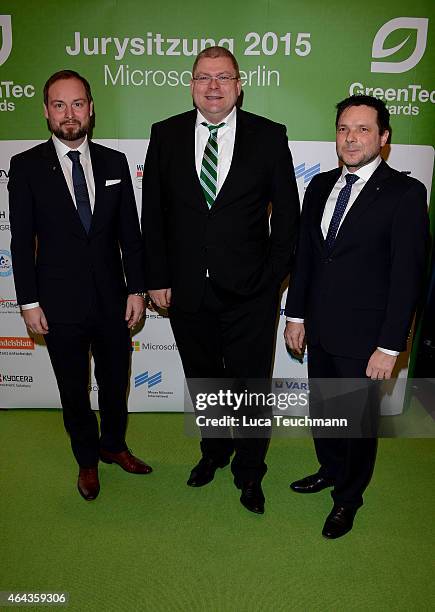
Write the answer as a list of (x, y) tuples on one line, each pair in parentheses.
[(214, 52)]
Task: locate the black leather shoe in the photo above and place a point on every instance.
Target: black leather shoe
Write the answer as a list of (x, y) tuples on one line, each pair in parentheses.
[(311, 484), (252, 496), (204, 471), (88, 483), (338, 522)]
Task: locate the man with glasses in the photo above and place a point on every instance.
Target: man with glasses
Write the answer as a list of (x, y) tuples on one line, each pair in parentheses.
[(211, 257)]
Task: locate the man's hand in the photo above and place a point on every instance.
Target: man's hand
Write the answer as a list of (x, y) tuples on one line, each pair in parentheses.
[(135, 309), (35, 320), (294, 335), (160, 297), (380, 365)]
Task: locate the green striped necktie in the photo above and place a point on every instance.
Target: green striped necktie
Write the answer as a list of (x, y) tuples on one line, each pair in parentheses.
[(209, 166)]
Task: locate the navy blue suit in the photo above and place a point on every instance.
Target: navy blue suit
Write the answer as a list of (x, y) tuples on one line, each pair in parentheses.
[(81, 282), (359, 296)]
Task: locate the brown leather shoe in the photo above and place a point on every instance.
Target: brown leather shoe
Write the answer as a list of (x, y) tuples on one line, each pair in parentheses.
[(88, 483), (127, 461)]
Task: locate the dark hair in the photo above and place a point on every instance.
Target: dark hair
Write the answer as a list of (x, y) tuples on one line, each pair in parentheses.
[(214, 52), (383, 115), (66, 74)]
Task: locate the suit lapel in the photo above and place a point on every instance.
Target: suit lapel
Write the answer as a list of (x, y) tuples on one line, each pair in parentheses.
[(243, 130), (99, 172), (62, 193), (365, 199), (186, 161)]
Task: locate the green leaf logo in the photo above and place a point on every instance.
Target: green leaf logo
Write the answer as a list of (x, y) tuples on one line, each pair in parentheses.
[(420, 24), (6, 28)]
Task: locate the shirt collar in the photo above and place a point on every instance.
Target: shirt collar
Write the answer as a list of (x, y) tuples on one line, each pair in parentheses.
[(230, 119), (365, 172), (62, 149)]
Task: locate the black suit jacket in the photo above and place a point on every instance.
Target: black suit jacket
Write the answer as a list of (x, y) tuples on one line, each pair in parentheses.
[(183, 238), (364, 292), (55, 262)]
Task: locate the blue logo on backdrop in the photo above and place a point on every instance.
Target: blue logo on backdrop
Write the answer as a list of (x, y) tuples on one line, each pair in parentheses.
[(307, 173), (5, 263), (151, 380)]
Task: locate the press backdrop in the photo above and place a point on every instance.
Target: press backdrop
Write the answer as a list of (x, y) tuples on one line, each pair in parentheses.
[(297, 60)]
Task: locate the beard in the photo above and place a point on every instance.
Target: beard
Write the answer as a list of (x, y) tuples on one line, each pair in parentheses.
[(74, 131)]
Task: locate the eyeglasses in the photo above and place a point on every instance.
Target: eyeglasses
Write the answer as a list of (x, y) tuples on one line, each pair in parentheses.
[(221, 79)]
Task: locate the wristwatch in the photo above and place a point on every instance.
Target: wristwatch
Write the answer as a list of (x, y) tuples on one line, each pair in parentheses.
[(141, 294)]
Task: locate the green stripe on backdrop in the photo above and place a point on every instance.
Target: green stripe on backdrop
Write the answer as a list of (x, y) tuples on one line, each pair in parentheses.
[(297, 60)]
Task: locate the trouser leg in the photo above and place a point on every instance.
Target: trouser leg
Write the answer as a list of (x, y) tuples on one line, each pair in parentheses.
[(68, 348), (111, 349)]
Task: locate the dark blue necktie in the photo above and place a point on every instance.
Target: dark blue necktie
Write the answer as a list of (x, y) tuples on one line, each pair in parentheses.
[(340, 207), (81, 190)]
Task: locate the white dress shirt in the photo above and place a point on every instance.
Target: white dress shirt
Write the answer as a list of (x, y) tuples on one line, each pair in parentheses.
[(363, 174), (66, 165)]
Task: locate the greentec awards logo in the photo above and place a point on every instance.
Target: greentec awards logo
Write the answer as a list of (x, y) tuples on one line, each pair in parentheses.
[(419, 24), (9, 90), (402, 41), (6, 37)]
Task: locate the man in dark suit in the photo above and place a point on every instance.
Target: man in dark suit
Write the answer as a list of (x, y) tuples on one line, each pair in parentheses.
[(209, 177), (356, 282), (73, 214)]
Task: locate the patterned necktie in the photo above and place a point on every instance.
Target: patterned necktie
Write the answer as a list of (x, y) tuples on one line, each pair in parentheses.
[(208, 174), (81, 190), (340, 207)]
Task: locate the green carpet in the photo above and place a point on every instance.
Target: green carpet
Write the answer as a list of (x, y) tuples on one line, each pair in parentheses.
[(151, 543)]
